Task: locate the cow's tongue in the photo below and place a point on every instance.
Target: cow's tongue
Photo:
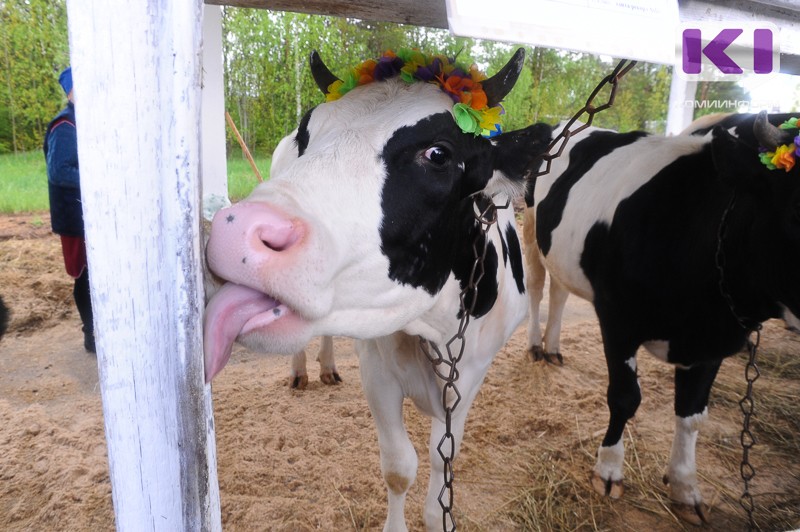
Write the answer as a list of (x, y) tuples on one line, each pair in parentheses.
[(234, 310)]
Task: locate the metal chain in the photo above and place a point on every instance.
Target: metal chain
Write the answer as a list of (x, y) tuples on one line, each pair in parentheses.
[(445, 366), (622, 68), (751, 371)]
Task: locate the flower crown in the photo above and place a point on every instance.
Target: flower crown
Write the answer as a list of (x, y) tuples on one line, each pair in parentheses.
[(784, 156), (471, 110)]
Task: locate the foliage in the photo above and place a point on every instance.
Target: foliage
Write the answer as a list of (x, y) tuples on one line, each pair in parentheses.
[(33, 51), (268, 85)]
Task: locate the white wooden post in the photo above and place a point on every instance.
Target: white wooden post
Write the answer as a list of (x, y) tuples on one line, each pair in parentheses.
[(681, 104), (215, 167), (137, 70)]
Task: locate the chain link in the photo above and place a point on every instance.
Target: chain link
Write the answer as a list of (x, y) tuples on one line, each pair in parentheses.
[(751, 371), (747, 405), (445, 367), (622, 68)]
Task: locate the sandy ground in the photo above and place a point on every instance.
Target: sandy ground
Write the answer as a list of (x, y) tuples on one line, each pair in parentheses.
[(308, 460)]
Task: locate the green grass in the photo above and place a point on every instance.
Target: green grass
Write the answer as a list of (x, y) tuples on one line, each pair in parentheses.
[(241, 179), (23, 180)]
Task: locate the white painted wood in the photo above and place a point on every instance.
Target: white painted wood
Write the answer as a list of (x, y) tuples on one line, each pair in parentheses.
[(136, 67), (215, 166), (681, 104)]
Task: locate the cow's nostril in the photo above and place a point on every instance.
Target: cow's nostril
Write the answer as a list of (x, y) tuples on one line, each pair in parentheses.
[(278, 237), (273, 247)]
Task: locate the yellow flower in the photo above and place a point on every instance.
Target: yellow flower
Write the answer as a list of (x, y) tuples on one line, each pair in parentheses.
[(784, 157)]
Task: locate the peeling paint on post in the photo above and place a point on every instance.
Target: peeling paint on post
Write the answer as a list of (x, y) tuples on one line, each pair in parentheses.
[(137, 69)]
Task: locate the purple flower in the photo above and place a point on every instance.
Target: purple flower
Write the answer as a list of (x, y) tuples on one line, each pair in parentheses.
[(387, 67)]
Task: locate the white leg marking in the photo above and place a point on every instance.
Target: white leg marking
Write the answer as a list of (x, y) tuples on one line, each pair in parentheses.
[(610, 461), (557, 303), (682, 471), (398, 458), (631, 362)]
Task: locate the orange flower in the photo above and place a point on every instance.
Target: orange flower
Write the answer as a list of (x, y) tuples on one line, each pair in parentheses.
[(364, 72), (479, 99), (784, 157)]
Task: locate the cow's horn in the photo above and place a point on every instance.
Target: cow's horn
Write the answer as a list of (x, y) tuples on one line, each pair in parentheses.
[(768, 135), (501, 83), (321, 74)]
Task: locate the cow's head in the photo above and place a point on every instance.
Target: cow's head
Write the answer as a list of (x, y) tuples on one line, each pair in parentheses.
[(367, 211), (767, 184)]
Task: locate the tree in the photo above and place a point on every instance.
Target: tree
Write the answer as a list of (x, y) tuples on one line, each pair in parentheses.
[(33, 50)]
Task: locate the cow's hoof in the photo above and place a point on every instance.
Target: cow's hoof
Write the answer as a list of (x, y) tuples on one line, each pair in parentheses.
[(554, 358), (536, 353), (330, 378), (299, 382), (694, 514), (607, 488)]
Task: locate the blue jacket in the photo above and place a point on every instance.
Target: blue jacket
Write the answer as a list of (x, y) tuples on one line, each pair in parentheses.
[(63, 178)]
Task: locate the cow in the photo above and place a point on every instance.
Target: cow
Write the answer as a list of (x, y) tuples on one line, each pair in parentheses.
[(367, 229), (546, 347), (684, 245)]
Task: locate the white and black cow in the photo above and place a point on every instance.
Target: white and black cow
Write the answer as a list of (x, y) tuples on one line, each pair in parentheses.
[(632, 223), (366, 229), (546, 347)]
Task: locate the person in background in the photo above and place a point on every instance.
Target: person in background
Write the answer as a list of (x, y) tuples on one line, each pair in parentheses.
[(66, 213)]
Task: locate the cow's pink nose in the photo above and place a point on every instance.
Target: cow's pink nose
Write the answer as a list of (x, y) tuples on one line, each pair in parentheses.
[(247, 235)]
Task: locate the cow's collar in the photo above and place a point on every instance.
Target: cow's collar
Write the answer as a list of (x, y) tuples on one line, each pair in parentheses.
[(748, 324)]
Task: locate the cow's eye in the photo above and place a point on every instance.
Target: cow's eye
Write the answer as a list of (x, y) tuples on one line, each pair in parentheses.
[(438, 155)]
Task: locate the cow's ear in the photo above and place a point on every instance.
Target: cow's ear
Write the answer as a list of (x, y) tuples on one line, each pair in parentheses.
[(736, 163), (503, 162), (516, 153)]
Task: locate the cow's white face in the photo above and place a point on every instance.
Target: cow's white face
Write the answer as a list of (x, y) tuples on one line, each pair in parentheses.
[(362, 224)]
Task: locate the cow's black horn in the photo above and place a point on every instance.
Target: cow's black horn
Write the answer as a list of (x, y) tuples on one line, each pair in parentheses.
[(768, 135), (321, 74), (499, 85)]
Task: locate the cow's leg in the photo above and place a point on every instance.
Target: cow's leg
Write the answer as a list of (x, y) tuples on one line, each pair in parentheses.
[(384, 395), (692, 388), (555, 313), (327, 366), (623, 399), (298, 374), (534, 279)]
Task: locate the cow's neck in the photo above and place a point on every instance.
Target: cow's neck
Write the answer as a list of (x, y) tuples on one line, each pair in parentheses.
[(741, 275)]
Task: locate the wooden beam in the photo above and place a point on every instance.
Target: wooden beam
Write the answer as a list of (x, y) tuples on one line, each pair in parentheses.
[(137, 92), (431, 13)]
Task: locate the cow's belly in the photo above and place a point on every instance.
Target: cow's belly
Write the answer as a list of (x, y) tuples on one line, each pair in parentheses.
[(563, 263)]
